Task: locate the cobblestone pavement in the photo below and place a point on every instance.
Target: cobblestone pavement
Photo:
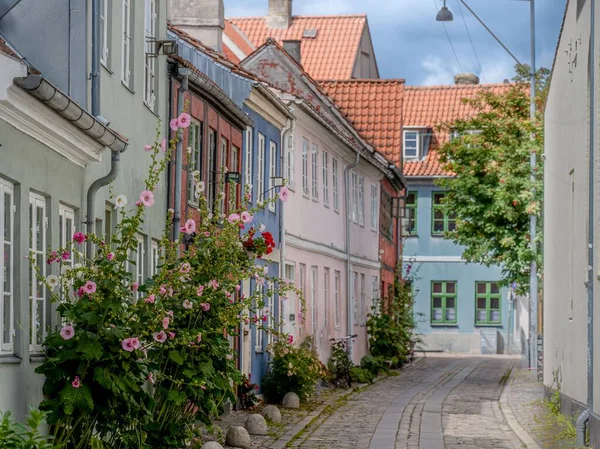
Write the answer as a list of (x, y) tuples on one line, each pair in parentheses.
[(439, 403)]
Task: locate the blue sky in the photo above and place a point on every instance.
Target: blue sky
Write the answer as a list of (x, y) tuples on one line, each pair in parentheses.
[(410, 44)]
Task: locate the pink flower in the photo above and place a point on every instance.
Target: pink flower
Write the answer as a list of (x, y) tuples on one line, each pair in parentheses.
[(203, 387), (171, 335), (184, 120), (174, 124), (246, 217), (165, 322), (283, 297), (67, 332), (150, 378), (89, 287), (76, 382), (190, 226), (213, 284), (238, 288), (80, 292), (163, 145), (185, 268), (147, 198), (110, 256), (284, 193), (150, 299), (66, 255), (162, 290), (187, 304), (130, 344), (138, 203), (265, 318), (135, 286), (228, 294), (207, 234), (147, 147), (79, 237), (170, 313), (205, 306), (290, 339), (233, 218), (200, 290), (160, 337), (199, 338), (182, 229)]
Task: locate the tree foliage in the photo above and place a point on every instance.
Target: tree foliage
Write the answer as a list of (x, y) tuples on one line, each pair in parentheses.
[(491, 193)]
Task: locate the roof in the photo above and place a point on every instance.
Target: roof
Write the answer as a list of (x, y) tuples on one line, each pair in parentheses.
[(429, 107), (331, 54), (374, 106)]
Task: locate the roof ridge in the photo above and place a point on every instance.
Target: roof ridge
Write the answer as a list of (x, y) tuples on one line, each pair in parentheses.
[(458, 86), (318, 16), (365, 80)]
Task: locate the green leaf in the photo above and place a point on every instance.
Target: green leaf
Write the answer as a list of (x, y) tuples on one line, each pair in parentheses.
[(176, 357)]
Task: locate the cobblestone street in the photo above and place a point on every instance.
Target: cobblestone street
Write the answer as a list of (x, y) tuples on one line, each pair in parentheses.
[(439, 403)]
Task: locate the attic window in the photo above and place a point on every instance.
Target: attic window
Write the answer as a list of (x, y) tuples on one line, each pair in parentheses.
[(310, 33)]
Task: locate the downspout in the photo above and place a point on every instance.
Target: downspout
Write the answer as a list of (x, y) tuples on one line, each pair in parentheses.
[(185, 73), (349, 308), (96, 54), (582, 424), (286, 132)]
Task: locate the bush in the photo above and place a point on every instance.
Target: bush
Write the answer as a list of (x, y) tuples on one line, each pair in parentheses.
[(374, 365), (339, 365), (17, 436), (292, 369), (361, 375)]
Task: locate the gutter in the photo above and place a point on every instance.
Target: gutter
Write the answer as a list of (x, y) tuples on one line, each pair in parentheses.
[(96, 54), (275, 100), (183, 88), (287, 131)]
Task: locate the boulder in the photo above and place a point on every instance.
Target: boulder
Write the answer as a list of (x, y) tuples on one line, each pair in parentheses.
[(237, 436), (291, 400), (211, 445), (271, 414), (256, 425)]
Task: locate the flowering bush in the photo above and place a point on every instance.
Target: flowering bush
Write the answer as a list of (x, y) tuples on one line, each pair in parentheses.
[(248, 399), (258, 245), (135, 365)]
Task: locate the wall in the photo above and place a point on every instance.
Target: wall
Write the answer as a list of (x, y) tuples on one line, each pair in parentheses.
[(388, 249), (366, 63)]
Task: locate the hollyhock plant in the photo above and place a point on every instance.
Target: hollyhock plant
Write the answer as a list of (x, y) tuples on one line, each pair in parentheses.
[(76, 382), (174, 124), (120, 201), (246, 217), (89, 287), (190, 226), (147, 198), (130, 344), (184, 120), (160, 337), (187, 304), (284, 194), (67, 332), (147, 148), (52, 281), (79, 237)]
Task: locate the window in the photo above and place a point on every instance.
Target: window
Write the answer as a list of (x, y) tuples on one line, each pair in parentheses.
[(374, 206), (272, 172), (248, 161), (66, 229), (326, 299), (138, 258), (315, 172), (104, 30), (270, 311), (375, 297), (222, 171), (443, 302), (261, 168), (313, 298), (353, 214), (326, 178), (363, 300), (302, 288), (411, 144), (355, 296), (336, 297), (487, 303), (386, 222), (258, 332), (305, 167), (290, 276), (155, 258), (38, 223), (126, 43), (411, 213), (361, 201), (212, 169), (289, 157), (150, 67), (7, 298), (234, 165), (108, 223), (441, 221), (335, 177), (195, 160)]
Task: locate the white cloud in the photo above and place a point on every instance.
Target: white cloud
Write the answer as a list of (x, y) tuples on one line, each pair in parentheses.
[(437, 71)]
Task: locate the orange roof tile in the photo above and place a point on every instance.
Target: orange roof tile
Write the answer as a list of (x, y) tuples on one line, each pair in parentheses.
[(431, 106), (238, 38), (230, 55), (331, 54), (374, 106)]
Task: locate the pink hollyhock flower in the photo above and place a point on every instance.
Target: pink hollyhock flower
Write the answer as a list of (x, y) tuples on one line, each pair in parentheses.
[(185, 268), (233, 218), (203, 387), (160, 337), (246, 320), (147, 198), (138, 203), (89, 287), (147, 147), (170, 292), (129, 345), (238, 288), (162, 290), (290, 339), (284, 193), (174, 124), (67, 332), (260, 281), (135, 287), (163, 145), (200, 290), (184, 120), (199, 338), (76, 382), (213, 284), (80, 292), (110, 256), (79, 237), (150, 378), (187, 304), (66, 255), (231, 301), (165, 322), (135, 342), (171, 335), (265, 318), (170, 313), (205, 306), (207, 234), (190, 226), (182, 229), (150, 299), (246, 217), (228, 294)]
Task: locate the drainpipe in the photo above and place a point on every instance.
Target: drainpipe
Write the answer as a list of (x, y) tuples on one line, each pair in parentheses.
[(184, 73), (349, 308), (96, 54), (286, 132), (582, 423)]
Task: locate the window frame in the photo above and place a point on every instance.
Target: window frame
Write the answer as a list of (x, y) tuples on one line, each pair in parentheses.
[(126, 40), (374, 206), (211, 163), (65, 235), (139, 263), (37, 201), (444, 295), (335, 184), (446, 220), (272, 173), (105, 11), (355, 297), (326, 295), (223, 156), (259, 339), (195, 137), (414, 207), (260, 169), (375, 297), (488, 296), (314, 173), (325, 170), (7, 296), (248, 162), (154, 257), (314, 285), (302, 288), (416, 139), (305, 148), (386, 221), (361, 201), (363, 299), (337, 285), (290, 164), (150, 32)]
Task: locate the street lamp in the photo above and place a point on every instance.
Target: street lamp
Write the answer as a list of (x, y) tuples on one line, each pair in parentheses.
[(444, 15)]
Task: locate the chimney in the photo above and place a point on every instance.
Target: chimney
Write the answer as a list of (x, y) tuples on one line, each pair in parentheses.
[(202, 19), (280, 14), (466, 78), (293, 49)]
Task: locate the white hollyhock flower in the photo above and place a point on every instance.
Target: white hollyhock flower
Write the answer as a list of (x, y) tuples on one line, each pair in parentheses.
[(52, 281), (120, 201)]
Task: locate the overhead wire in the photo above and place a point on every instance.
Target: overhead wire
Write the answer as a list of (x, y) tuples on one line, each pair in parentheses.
[(471, 40), (449, 40)]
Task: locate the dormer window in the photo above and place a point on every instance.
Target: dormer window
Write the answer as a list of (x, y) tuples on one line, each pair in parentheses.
[(412, 144)]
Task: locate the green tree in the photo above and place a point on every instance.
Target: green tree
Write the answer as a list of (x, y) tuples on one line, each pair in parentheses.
[(542, 83), (491, 193)]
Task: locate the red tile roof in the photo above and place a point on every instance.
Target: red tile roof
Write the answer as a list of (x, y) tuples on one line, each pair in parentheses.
[(238, 38), (428, 107), (374, 106), (331, 54)]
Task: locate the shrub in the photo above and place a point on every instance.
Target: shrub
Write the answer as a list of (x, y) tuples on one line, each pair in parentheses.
[(339, 365), (17, 436), (374, 365), (361, 375), (248, 399)]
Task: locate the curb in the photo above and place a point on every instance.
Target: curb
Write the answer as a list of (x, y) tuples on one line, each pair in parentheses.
[(523, 435)]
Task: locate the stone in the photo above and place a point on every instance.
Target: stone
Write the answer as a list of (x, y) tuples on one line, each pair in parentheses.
[(291, 400), (272, 414), (211, 445), (238, 437), (256, 425)]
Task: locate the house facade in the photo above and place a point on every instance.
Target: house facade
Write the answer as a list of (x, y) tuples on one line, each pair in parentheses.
[(49, 162)]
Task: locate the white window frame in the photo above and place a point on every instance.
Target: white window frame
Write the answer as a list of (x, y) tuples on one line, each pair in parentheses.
[(305, 145), (326, 294), (66, 213), (225, 144), (354, 296), (150, 20), (314, 158), (126, 43), (260, 169), (271, 306), (248, 161), (272, 172), (375, 298), (258, 332), (234, 164), (337, 284), (363, 300), (416, 139), (335, 180), (104, 30), (314, 284), (137, 271), (361, 201), (353, 214), (302, 288), (325, 178), (194, 159), (290, 162), (37, 202), (154, 257), (7, 296), (374, 206)]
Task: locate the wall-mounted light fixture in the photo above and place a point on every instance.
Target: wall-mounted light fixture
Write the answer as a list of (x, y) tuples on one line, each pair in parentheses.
[(161, 47)]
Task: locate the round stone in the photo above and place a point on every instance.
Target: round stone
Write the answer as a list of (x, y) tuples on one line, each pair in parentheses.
[(291, 400), (237, 436), (211, 445), (256, 425), (272, 414)]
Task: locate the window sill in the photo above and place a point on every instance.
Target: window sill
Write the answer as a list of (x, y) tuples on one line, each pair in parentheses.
[(488, 325), (438, 235), (443, 324), (410, 235), (337, 211), (194, 205), (105, 67), (259, 351), (315, 200), (127, 87), (305, 196), (326, 205), (9, 359), (151, 110), (37, 358)]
